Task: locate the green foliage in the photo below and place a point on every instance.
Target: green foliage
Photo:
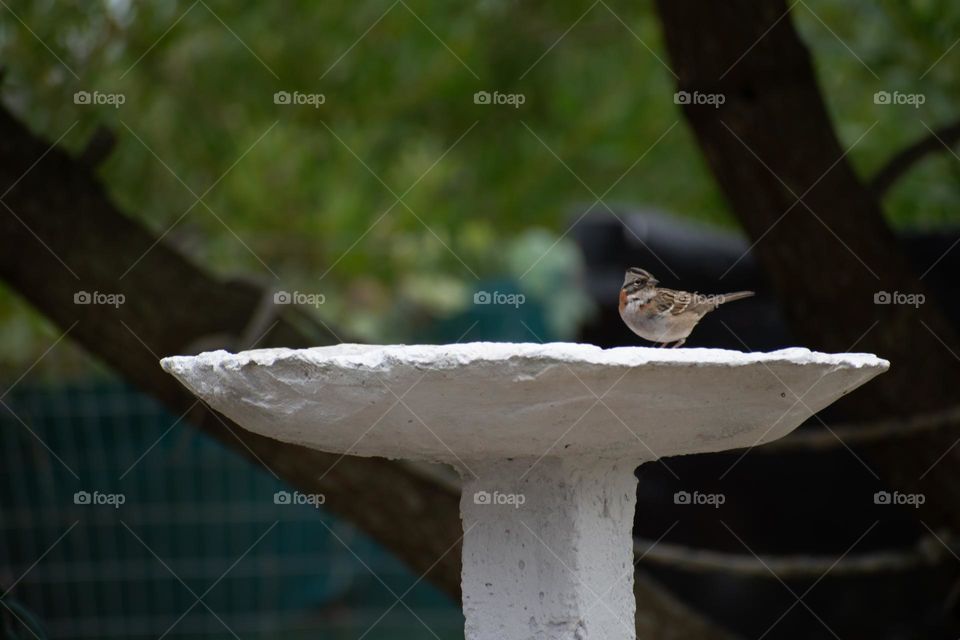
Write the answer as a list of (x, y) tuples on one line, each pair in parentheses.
[(862, 47), (304, 197)]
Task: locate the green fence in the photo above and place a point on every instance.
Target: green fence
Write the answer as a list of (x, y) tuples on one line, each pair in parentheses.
[(115, 522)]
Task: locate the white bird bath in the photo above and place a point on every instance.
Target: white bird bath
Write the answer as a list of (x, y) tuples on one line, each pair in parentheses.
[(546, 438)]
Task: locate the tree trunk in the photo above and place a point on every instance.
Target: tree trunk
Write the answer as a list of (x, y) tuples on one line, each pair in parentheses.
[(771, 143)]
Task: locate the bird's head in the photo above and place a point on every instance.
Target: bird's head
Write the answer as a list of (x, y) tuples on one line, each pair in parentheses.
[(637, 278)]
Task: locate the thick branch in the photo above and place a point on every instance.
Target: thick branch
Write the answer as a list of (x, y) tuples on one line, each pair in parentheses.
[(60, 233), (874, 433), (937, 141), (927, 552)]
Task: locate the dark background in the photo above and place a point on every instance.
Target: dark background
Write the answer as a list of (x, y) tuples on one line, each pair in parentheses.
[(149, 159)]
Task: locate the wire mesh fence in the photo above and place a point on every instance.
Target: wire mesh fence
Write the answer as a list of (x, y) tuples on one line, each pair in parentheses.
[(118, 521)]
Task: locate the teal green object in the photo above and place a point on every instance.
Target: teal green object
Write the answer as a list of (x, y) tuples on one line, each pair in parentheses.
[(498, 311), (199, 508)]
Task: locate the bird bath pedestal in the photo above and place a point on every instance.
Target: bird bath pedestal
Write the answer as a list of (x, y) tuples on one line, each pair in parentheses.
[(546, 438)]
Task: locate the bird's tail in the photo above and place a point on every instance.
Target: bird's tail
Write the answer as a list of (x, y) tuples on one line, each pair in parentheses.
[(730, 297)]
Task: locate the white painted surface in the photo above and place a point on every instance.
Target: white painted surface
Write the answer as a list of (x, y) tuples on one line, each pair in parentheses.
[(557, 566), (562, 425), (502, 400)]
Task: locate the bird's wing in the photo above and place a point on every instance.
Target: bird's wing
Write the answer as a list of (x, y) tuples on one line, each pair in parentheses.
[(672, 302)]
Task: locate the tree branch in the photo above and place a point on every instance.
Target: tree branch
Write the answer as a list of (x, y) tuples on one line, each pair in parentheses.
[(927, 552), (863, 435), (939, 140), (60, 234)]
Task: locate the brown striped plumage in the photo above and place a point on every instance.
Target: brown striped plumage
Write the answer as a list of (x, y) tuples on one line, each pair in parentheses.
[(665, 315)]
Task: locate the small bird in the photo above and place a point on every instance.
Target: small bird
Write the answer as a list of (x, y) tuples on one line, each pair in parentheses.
[(664, 315)]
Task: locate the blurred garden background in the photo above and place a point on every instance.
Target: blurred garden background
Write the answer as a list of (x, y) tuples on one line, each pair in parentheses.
[(387, 195), (297, 193)]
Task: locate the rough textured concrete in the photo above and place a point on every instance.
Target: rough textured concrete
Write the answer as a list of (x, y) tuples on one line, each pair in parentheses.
[(548, 550), (510, 400), (546, 437)]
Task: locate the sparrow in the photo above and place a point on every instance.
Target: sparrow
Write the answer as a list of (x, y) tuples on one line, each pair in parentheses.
[(664, 315)]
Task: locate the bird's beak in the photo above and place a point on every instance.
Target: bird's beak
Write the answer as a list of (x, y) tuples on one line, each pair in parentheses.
[(654, 281)]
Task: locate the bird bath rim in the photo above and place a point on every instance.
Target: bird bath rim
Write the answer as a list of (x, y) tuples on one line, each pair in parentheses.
[(380, 355), (471, 401)]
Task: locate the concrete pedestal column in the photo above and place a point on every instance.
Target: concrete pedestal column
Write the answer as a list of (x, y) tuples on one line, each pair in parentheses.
[(547, 550)]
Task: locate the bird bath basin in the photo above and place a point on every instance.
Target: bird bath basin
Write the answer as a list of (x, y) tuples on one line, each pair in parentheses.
[(546, 438)]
